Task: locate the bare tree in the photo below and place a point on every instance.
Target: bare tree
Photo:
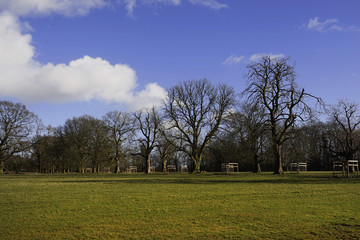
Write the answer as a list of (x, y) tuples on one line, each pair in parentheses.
[(17, 126), (149, 123), (272, 85), (250, 125), (166, 149), (195, 110), (344, 130), (121, 129)]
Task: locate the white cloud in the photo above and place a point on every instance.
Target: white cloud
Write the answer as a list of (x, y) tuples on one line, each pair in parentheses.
[(331, 24), (152, 95), (82, 7), (233, 59), (258, 56), (82, 79), (131, 4), (46, 7), (316, 25), (210, 3)]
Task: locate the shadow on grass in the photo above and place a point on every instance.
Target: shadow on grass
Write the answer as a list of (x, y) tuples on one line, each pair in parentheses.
[(225, 179)]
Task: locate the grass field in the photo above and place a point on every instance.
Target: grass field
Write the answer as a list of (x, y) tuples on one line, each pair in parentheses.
[(176, 206)]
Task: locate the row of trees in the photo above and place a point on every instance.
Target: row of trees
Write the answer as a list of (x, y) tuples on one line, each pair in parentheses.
[(200, 125)]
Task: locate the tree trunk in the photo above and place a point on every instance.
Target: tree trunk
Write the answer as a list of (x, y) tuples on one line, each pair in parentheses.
[(40, 166), (278, 159), (197, 167), (297, 168), (164, 166), (2, 166), (117, 166), (257, 168), (197, 163), (147, 164)]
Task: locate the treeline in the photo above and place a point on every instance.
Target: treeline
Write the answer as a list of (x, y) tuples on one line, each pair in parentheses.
[(200, 126)]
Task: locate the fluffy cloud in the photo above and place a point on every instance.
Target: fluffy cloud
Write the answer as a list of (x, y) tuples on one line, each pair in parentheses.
[(82, 7), (46, 7), (258, 56), (331, 24), (233, 59), (82, 79)]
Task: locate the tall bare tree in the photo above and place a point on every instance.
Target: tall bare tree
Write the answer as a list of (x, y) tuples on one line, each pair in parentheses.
[(272, 85), (195, 110), (121, 129), (17, 126), (149, 123)]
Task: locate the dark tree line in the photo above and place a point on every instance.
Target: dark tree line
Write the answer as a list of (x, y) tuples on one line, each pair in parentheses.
[(200, 125)]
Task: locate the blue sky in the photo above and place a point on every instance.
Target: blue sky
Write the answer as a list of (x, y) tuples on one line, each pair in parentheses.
[(66, 58)]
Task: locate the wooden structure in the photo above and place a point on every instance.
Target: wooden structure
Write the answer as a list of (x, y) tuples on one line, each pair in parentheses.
[(88, 170), (230, 167), (354, 165), (131, 169), (345, 167), (298, 167), (107, 170), (171, 168), (338, 166), (152, 169), (184, 168)]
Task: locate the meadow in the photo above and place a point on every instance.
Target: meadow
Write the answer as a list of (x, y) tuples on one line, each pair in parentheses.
[(179, 206)]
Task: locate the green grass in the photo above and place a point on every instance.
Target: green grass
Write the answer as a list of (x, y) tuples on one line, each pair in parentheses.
[(156, 206)]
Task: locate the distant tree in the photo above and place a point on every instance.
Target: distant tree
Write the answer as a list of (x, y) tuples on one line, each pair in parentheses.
[(99, 148), (166, 149), (149, 123), (272, 86), (120, 127), (87, 138), (76, 133), (308, 143), (195, 109), (344, 131), (17, 126), (42, 151), (250, 126), (64, 151)]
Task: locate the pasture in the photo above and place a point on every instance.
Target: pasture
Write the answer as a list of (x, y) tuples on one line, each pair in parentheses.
[(179, 206)]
